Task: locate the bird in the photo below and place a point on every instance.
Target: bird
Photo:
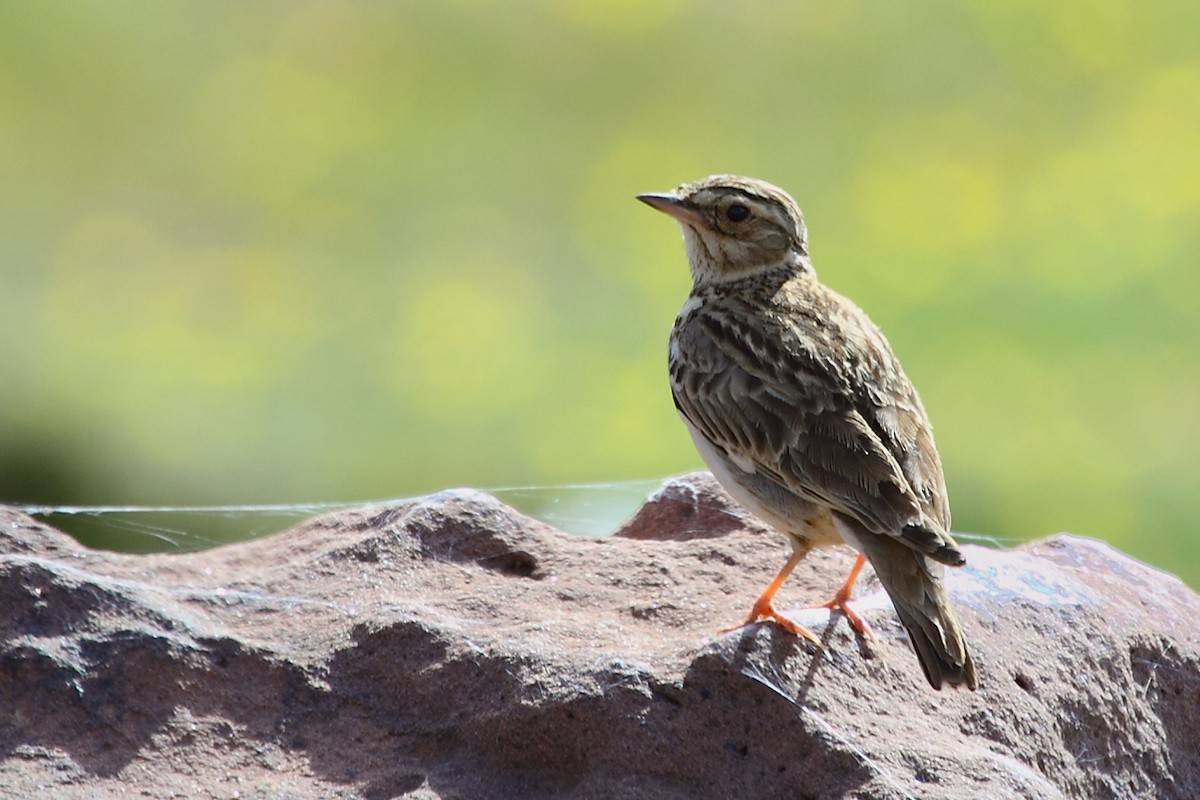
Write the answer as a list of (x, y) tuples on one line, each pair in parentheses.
[(800, 409)]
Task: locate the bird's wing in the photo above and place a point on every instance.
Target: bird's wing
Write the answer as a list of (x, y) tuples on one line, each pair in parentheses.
[(813, 398)]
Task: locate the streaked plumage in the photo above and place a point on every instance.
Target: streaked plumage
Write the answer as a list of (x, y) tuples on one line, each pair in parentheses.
[(799, 407)]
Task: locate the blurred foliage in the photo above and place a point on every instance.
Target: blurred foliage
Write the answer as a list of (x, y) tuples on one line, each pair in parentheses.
[(307, 251)]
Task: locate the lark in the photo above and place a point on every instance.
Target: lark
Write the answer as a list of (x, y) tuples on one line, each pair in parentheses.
[(802, 412)]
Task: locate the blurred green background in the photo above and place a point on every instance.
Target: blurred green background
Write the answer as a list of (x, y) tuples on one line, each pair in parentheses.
[(297, 252)]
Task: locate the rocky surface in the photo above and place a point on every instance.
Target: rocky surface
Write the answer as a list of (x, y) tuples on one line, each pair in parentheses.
[(452, 648)]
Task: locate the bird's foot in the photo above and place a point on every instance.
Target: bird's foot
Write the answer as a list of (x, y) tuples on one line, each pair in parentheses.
[(841, 602), (765, 612)]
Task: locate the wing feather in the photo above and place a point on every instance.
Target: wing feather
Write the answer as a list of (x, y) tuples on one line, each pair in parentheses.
[(811, 396)]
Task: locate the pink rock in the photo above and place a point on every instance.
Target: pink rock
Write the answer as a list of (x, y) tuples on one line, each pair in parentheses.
[(453, 648)]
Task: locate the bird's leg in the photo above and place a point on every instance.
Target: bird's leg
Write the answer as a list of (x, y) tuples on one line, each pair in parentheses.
[(841, 601), (763, 610)]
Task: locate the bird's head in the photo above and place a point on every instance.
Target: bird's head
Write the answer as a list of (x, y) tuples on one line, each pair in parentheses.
[(734, 227)]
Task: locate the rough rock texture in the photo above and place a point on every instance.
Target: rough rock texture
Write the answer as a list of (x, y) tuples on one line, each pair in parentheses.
[(451, 648)]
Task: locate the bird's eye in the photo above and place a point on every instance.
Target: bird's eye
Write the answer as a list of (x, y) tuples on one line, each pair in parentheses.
[(737, 213)]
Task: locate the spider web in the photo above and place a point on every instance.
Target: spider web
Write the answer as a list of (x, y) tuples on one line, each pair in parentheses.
[(583, 509)]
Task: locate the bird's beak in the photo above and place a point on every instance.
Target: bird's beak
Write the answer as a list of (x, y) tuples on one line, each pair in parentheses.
[(676, 206)]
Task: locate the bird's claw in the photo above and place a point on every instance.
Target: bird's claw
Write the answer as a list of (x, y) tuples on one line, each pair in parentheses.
[(860, 626), (765, 612)]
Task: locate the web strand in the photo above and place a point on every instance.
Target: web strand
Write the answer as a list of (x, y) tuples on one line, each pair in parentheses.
[(591, 509)]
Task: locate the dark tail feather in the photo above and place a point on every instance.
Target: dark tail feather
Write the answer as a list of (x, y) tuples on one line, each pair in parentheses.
[(914, 582), (940, 647)]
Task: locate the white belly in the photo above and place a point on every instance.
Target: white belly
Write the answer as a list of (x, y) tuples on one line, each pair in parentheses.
[(806, 521)]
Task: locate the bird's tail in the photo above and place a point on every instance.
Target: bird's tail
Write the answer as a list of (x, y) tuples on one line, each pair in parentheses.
[(914, 582)]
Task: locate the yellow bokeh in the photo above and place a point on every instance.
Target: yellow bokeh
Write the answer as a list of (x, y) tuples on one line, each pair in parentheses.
[(620, 17), (464, 348), (321, 250)]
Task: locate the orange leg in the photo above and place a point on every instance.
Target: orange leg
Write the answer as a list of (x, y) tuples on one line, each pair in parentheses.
[(841, 601), (763, 610)]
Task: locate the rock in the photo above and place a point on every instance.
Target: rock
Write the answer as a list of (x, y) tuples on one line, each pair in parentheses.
[(692, 507), (452, 648)]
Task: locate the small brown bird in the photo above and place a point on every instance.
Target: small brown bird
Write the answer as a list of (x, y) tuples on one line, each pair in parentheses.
[(798, 406)]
